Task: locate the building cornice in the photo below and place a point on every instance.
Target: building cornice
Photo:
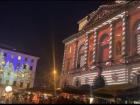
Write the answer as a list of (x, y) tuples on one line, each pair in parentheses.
[(103, 19), (76, 35)]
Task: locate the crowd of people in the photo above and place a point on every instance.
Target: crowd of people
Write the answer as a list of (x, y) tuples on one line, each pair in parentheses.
[(42, 99), (35, 98), (71, 100)]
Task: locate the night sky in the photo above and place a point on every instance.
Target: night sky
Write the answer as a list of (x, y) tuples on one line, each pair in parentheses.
[(32, 27)]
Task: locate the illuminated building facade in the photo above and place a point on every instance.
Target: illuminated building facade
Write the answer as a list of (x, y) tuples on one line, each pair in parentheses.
[(108, 38), (17, 69)]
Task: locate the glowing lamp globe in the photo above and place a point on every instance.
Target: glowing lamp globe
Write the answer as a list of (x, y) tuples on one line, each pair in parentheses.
[(54, 71), (8, 89), (91, 100)]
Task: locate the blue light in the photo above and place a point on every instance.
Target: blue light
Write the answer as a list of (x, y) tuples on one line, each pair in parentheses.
[(17, 64)]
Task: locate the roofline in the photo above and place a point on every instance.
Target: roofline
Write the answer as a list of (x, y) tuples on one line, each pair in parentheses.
[(69, 38), (82, 19), (89, 14), (73, 36), (12, 49), (83, 30)]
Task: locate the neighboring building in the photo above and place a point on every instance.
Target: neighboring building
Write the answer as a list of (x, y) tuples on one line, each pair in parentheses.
[(108, 38), (17, 69)]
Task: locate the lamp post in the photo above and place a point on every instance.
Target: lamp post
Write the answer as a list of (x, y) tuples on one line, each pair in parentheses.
[(54, 77), (91, 94), (54, 66), (8, 90)]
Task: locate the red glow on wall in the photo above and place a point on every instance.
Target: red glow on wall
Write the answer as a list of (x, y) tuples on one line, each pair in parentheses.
[(103, 41), (90, 49)]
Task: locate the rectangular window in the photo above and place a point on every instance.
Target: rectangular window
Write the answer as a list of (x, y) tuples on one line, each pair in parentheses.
[(14, 83), (24, 67), (21, 84), (32, 61), (31, 67), (28, 85), (18, 65), (78, 65), (7, 82), (26, 59), (5, 54), (8, 73)]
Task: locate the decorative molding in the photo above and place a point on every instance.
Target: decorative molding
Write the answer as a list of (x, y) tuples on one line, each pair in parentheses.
[(102, 12)]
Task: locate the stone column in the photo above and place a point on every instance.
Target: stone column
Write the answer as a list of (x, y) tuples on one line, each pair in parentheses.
[(94, 47), (110, 41), (123, 34), (86, 48)]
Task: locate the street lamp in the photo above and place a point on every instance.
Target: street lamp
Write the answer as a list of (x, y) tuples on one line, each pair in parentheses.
[(54, 75), (54, 72), (91, 100), (8, 89), (91, 94)]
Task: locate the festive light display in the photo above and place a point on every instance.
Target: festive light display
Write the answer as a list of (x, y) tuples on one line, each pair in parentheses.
[(109, 39), (16, 69)]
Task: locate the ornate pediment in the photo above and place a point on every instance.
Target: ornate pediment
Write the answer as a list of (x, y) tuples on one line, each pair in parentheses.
[(102, 12)]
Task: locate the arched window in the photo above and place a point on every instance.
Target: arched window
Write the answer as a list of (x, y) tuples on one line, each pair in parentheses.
[(81, 57), (103, 47), (118, 48)]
